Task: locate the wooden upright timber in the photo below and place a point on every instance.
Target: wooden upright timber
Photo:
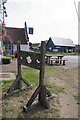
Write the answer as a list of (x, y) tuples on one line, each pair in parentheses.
[(17, 84), (41, 91)]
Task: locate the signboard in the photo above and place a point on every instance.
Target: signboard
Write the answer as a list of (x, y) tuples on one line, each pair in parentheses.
[(30, 29), (24, 47)]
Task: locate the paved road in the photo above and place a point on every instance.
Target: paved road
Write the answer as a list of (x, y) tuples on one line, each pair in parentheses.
[(72, 61), (10, 67), (7, 69)]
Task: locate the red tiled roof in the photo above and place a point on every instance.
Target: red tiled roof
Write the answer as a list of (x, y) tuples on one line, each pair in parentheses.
[(17, 34)]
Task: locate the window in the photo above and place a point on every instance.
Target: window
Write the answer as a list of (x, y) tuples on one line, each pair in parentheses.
[(50, 48), (55, 50)]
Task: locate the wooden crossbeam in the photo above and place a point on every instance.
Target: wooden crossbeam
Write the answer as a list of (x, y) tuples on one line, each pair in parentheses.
[(30, 59)]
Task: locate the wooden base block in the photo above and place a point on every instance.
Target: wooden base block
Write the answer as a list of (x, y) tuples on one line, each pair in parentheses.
[(37, 103)]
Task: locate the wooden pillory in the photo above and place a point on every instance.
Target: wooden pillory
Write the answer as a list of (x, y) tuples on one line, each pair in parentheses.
[(37, 61)]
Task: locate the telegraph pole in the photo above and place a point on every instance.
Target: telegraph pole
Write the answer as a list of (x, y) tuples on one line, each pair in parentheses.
[(4, 10), (4, 14)]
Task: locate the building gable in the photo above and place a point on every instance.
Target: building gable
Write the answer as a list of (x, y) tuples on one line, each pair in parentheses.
[(16, 34), (49, 45)]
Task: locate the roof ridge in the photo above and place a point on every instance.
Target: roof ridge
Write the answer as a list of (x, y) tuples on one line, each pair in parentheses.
[(61, 38), (14, 28)]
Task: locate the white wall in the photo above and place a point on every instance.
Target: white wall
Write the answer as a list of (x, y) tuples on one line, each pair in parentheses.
[(23, 47)]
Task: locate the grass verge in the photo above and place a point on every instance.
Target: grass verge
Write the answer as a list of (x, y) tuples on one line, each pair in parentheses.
[(77, 99)]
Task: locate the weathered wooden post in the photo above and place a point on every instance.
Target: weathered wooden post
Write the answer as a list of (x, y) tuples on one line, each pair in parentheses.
[(19, 65), (12, 48), (42, 94), (41, 89), (17, 84)]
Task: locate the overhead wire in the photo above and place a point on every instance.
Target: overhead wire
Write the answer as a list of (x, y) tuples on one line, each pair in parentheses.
[(76, 10)]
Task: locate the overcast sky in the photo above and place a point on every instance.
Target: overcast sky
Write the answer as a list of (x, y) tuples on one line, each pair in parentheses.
[(49, 18)]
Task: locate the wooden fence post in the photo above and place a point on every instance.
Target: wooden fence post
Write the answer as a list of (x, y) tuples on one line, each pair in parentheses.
[(19, 65)]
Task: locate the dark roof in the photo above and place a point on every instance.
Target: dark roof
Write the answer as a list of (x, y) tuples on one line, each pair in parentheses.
[(17, 34), (62, 41), (78, 46), (45, 42), (35, 45)]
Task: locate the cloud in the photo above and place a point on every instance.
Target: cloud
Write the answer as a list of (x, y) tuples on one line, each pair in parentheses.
[(48, 17)]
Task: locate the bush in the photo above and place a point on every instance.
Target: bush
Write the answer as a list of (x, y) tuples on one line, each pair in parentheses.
[(6, 60), (9, 55)]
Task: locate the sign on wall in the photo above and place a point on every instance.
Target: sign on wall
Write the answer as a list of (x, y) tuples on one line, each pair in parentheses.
[(30, 30)]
